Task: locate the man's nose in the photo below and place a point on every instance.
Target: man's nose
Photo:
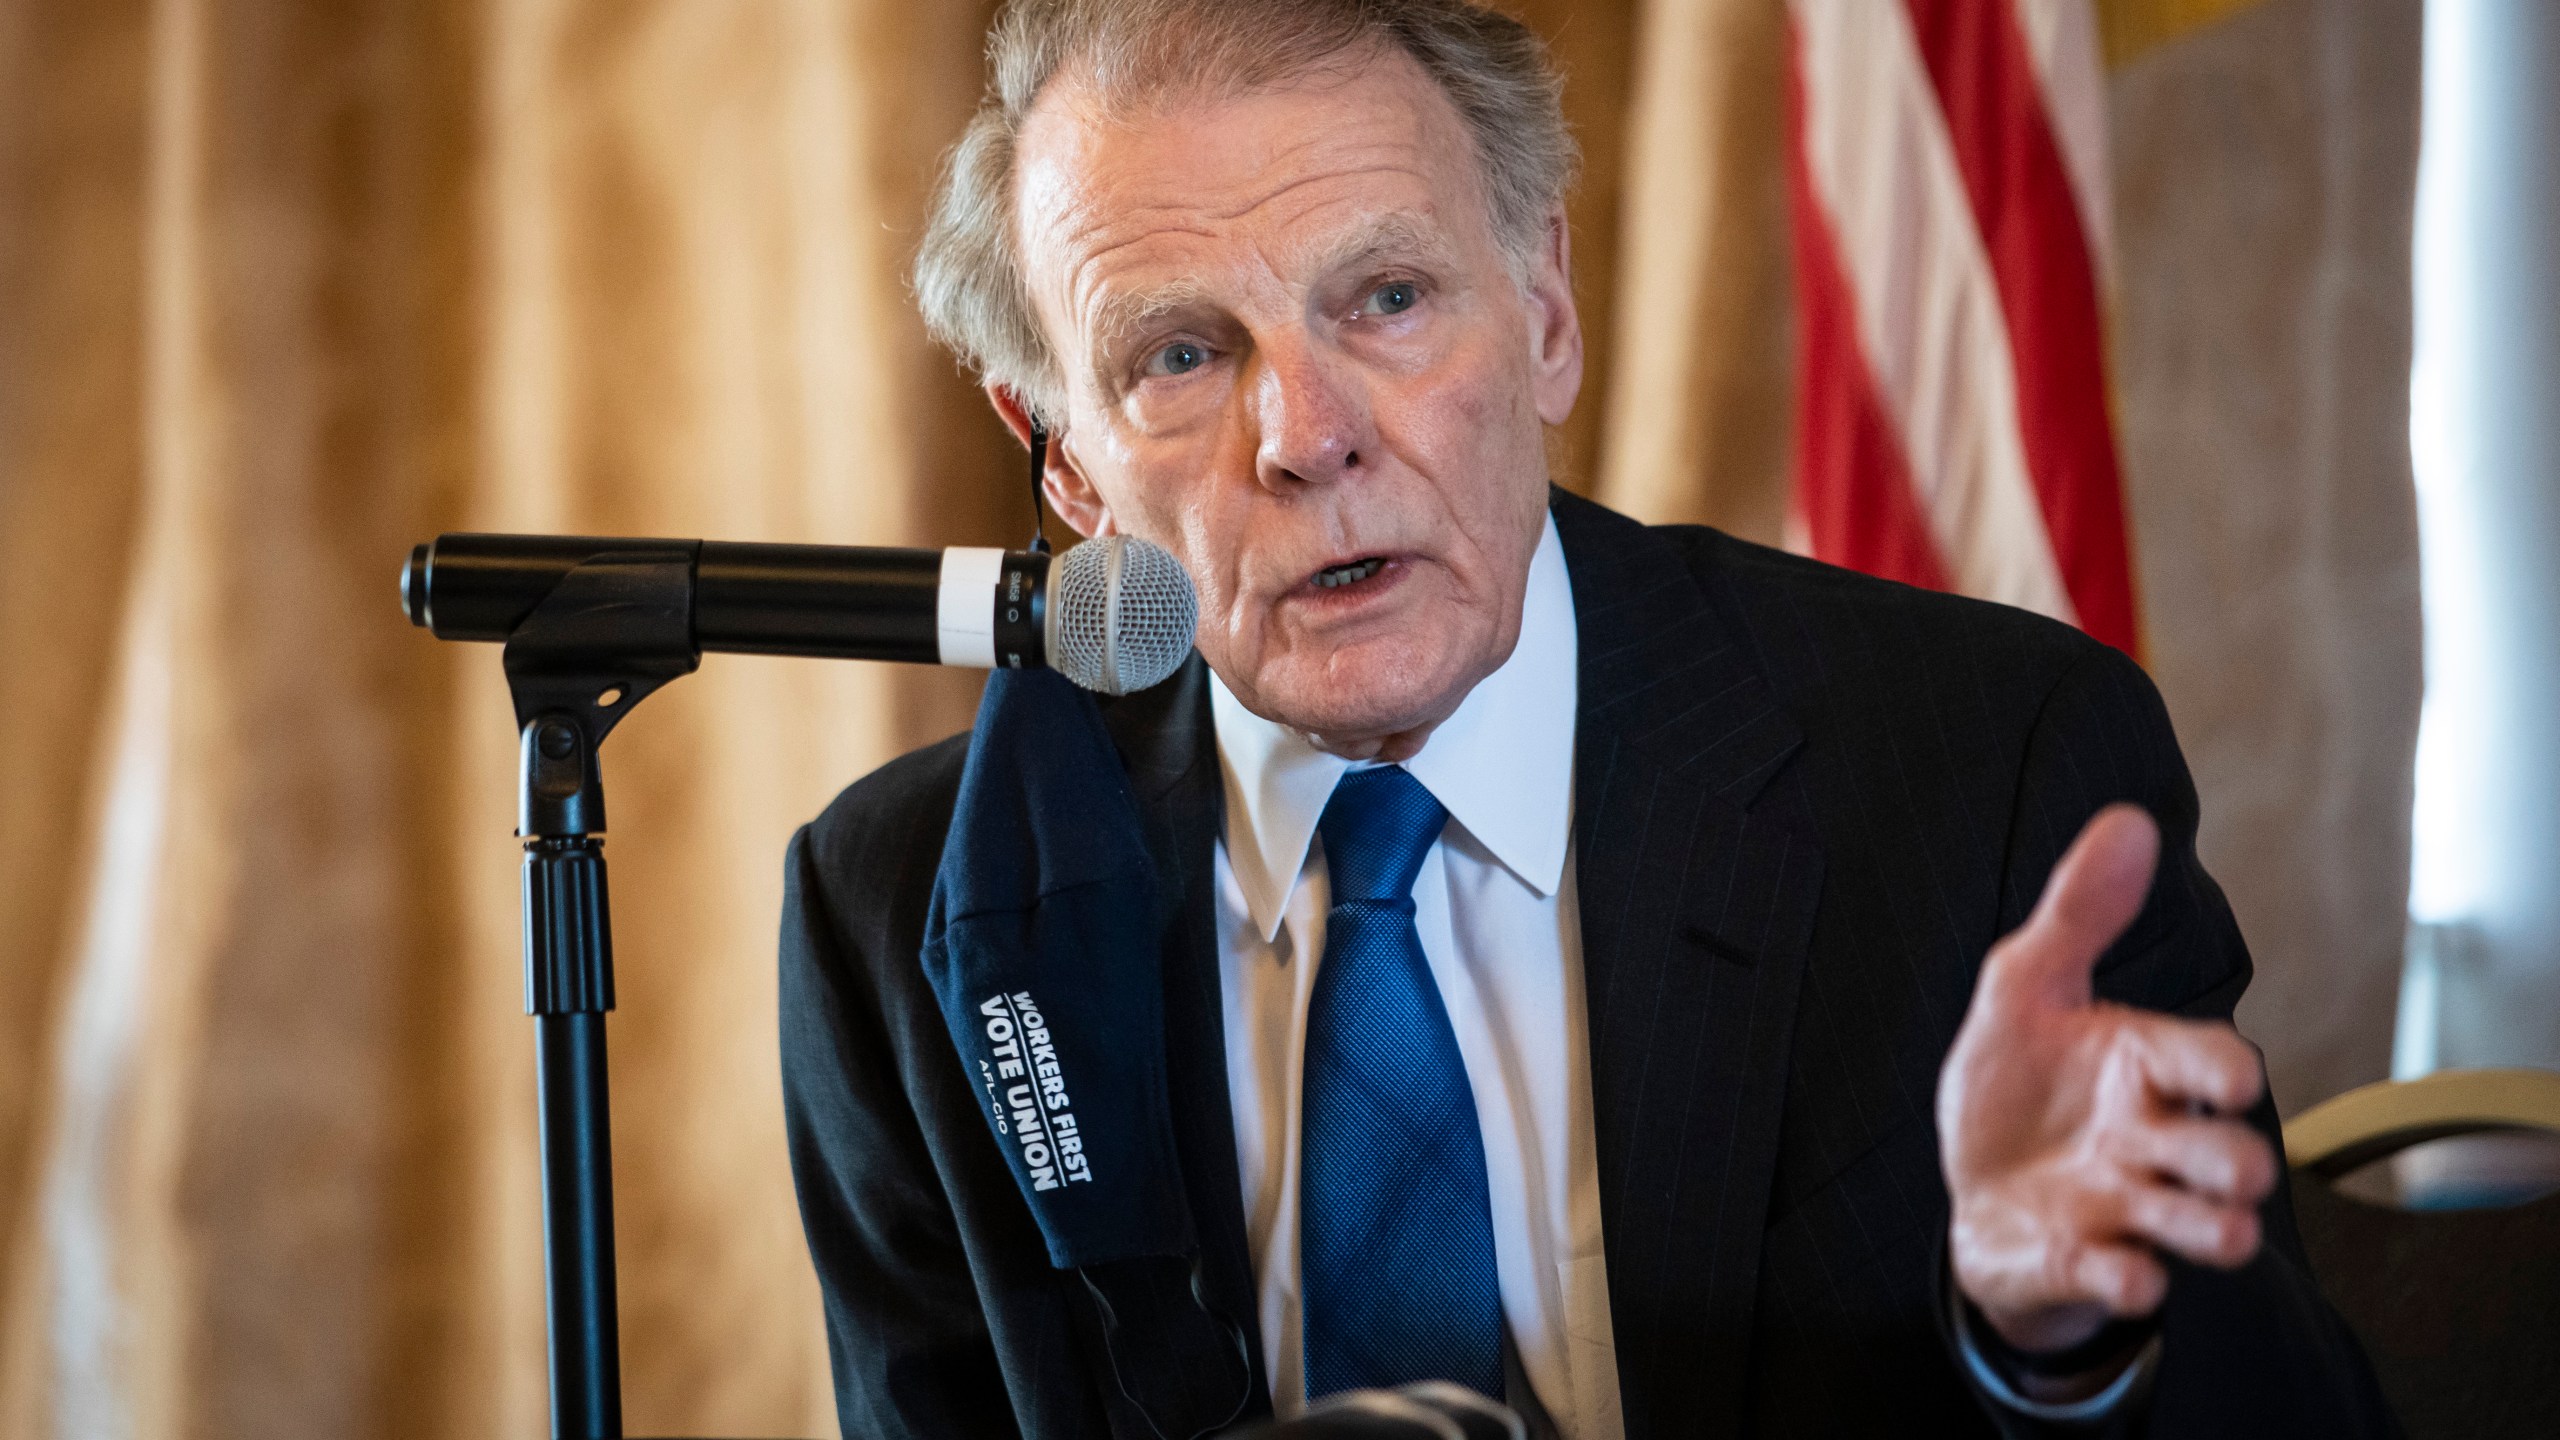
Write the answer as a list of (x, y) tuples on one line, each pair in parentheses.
[(1314, 418)]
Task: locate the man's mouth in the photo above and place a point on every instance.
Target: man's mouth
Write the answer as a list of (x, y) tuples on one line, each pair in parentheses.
[(1335, 577)]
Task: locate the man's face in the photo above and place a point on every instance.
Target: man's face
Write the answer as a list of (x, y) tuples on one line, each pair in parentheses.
[(1294, 355)]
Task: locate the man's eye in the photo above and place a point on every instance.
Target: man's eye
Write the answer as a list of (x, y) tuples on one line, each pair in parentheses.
[(1179, 358), (1393, 298)]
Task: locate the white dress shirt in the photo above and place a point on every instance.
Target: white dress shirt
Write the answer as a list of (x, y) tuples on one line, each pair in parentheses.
[(1499, 926)]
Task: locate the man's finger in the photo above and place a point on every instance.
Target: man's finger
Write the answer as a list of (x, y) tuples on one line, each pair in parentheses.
[(2199, 1061), (2128, 1279), (2187, 1224), (2092, 895), (2221, 1160)]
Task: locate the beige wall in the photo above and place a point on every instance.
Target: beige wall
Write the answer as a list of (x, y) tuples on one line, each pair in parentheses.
[(2265, 169)]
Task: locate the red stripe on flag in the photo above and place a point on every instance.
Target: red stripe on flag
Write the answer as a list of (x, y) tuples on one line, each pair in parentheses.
[(2031, 227), (1853, 482)]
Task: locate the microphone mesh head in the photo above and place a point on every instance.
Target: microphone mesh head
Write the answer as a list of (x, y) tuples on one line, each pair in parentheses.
[(1121, 614)]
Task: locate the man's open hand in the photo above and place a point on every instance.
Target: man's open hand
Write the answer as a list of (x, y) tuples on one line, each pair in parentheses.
[(2081, 1138)]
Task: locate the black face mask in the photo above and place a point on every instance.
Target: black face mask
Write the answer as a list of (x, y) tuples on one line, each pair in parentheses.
[(1042, 945)]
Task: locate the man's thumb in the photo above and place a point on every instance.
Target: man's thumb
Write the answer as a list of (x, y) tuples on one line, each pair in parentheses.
[(2092, 895)]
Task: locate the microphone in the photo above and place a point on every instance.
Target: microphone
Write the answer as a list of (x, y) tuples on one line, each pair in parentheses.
[(1115, 614), (1432, 1410)]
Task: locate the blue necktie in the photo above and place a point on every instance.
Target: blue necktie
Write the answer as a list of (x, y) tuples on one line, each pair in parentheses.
[(1395, 1231)]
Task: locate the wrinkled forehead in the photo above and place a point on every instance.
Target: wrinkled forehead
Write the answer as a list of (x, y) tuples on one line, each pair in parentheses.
[(1281, 178)]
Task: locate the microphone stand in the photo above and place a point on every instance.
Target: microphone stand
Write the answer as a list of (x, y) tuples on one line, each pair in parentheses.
[(614, 629)]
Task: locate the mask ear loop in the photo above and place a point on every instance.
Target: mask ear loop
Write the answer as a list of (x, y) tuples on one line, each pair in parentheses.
[(1039, 471)]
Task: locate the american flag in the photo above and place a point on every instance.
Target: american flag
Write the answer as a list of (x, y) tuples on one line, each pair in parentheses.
[(1947, 177)]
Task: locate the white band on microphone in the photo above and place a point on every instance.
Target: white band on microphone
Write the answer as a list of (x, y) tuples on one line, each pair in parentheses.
[(965, 614)]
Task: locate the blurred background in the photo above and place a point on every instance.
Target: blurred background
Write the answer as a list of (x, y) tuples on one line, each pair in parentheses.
[(288, 285)]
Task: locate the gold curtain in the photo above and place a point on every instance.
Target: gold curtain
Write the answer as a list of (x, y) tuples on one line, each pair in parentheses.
[(286, 288), (286, 285), (1698, 421)]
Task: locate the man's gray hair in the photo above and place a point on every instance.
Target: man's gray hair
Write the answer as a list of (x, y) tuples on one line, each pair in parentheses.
[(968, 275)]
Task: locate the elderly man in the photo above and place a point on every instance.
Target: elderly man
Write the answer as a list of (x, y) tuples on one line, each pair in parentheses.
[(1644, 977)]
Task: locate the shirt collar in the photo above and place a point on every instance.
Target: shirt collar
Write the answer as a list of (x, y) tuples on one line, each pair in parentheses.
[(1502, 765)]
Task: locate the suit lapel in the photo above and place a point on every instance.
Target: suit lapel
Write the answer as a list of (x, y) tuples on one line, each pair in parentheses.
[(1697, 895), (1166, 739)]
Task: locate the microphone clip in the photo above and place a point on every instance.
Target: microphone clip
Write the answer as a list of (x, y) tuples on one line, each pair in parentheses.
[(614, 629)]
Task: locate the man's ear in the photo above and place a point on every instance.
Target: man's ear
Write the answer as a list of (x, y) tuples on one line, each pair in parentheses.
[(1070, 493), (1555, 327)]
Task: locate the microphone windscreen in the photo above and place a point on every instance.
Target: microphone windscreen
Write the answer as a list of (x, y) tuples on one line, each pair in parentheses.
[(1121, 614)]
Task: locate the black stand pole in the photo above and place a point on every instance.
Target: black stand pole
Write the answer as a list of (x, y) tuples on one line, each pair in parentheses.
[(577, 1198), (577, 1141), (614, 629)]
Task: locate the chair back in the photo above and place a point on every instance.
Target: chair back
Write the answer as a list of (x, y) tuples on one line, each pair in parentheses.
[(2459, 1310)]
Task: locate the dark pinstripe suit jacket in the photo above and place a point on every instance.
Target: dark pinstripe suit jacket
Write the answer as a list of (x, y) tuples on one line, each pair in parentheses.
[(1806, 803)]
